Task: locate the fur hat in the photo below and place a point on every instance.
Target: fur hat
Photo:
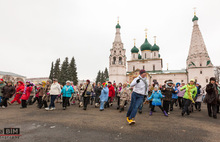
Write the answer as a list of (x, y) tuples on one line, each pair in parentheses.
[(68, 81), (49, 80), (212, 79)]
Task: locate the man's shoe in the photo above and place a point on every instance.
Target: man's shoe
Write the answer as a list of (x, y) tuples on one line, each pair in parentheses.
[(132, 121), (3, 106), (64, 108), (101, 109)]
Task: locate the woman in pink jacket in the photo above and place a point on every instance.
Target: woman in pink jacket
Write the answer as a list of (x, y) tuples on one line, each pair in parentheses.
[(26, 94)]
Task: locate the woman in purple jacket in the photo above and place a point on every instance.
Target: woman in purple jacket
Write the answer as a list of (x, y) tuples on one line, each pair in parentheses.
[(180, 95)]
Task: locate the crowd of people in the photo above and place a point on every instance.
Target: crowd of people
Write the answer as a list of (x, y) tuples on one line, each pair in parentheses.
[(187, 97)]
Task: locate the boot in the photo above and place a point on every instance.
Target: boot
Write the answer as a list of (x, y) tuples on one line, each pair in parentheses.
[(165, 113), (151, 113)]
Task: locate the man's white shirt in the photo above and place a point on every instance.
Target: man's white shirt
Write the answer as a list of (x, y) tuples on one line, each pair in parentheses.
[(140, 87)]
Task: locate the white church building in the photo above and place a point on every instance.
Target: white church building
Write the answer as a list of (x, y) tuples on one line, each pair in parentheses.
[(198, 63)]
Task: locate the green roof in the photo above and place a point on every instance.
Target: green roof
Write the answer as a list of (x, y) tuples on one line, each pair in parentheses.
[(117, 26), (134, 50), (195, 18), (155, 48), (139, 56), (146, 45)]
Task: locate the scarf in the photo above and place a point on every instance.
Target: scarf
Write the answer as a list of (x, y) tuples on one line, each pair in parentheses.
[(146, 85)]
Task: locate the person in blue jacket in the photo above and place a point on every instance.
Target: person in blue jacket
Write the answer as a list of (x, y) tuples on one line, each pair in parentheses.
[(156, 96), (104, 96), (66, 92), (174, 96)]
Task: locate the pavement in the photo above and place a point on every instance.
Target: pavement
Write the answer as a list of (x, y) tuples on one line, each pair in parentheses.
[(77, 125)]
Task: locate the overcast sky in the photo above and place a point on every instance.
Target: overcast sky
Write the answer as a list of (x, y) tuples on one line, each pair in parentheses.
[(33, 33)]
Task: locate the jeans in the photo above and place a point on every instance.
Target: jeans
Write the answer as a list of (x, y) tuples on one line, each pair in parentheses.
[(186, 104), (136, 100), (102, 105), (30, 100), (52, 99), (40, 104)]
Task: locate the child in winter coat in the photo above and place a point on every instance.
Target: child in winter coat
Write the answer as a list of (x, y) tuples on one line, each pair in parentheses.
[(156, 96), (104, 96), (198, 97), (174, 97), (124, 95)]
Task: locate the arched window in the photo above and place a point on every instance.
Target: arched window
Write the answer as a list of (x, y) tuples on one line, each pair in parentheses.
[(114, 52), (114, 60), (145, 55), (200, 72), (120, 52), (133, 68), (207, 80), (143, 67), (134, 56), (120, 61), (200, 64), (153, 67), (154, 54)]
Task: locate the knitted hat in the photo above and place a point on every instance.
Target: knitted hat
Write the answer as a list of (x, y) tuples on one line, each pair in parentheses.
[(110, 82), (68, 81), (40, 83), (192, 80), (54, 79), (142, 71), (104, 84), (28, 81), (156, 86), (212, 79), (49, 80), (88, 80)]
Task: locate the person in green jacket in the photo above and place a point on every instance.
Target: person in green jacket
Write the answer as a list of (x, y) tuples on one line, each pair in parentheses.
[(190, 93)]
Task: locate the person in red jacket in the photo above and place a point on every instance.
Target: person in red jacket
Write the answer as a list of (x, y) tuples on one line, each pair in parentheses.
[(18, 93), (26, 94), (111, 93)]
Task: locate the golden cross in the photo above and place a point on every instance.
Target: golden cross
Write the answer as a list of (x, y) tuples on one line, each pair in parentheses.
[(134, 41), (118, 19), (145, 32), (155, 39), (194, 11)]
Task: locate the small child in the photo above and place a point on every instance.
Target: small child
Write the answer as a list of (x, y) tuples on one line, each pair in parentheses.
[(104, 96), (124, 96), (156, 96)]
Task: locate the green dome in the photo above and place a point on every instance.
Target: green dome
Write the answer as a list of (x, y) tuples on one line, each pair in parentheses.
[(155, 48), (146, 45), (117, 26), (139, 56), (134, 50), (159, 55), (195, 18)]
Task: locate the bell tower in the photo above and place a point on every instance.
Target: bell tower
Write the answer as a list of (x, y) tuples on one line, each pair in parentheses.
[(117, 59)]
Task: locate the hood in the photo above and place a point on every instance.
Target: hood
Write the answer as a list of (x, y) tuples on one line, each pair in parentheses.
[(22, 84), (178, 84)]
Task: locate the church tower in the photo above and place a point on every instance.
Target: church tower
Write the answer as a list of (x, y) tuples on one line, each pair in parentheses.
[(117, 59), (199, 65)]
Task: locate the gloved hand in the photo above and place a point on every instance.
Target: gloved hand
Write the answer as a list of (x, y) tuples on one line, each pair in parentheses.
[(138, 81)]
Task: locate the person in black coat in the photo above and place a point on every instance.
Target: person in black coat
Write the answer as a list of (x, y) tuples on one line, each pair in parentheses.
[(98, 89), (8, 91), (211, 98)]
